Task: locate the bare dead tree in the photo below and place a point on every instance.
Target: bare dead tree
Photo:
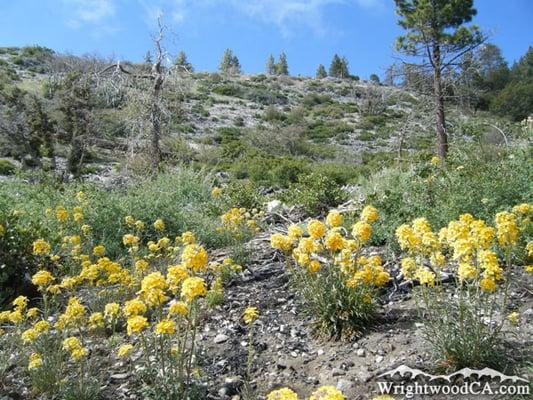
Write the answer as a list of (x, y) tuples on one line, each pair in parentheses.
[(147, 88)]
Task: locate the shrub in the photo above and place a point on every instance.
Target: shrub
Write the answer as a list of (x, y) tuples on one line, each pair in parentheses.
[(321, 131), (337, 283), (181, 198), (272, 114), (315, 192), (161, 332), (477, 182), (464, 327), (313, 99), (7, 167)]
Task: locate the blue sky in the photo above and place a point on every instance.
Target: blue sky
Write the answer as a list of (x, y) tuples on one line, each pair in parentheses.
[(309, 31)]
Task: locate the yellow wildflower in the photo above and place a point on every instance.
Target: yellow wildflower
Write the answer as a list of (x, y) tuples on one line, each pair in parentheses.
[(42, 278), (362, 231), (327, 393), (282, 394), (281, 242), (194, 257), (193, 287), (136, 324), (295, 232), (165, 327), (134, 307), (99, 250), (159, 225), (125, 350), (334, 219), (488, 285), (250, 315), (369, 214), (41, 247), (316, 229), (178, 308), (36, 361)]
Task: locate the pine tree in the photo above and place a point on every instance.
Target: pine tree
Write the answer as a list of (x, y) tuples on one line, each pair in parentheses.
[(40, 126), (374, 78), (339, 67), (282, 67), (437, 34), (230, 63), (148, 58), (76, 98), (335, 67), (225, 63), (235, 66), (271, 65), (182, 63), (321, 72), (344, 72)]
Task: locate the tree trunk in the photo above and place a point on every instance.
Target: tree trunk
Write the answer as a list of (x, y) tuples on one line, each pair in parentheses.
[(156, 121), (442, 137)]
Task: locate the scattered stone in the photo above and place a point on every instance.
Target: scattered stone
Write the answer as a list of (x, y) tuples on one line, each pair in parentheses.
[(221, 338)]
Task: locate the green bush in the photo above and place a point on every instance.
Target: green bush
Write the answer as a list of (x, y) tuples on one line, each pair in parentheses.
[(182, 199), (7, 167), (476, 181), (315, 192)]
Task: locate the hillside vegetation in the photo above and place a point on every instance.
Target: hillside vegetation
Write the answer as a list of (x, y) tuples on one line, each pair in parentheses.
[(294, 234)]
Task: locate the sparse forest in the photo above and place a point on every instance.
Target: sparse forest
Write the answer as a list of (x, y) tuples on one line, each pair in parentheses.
[(169, 233)]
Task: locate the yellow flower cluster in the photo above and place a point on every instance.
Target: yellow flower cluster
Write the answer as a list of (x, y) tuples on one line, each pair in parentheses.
[(216, 192), (239, 220), (332, 246), (41, 247), (35, 361), (250, 315), (74, 315), (74, 346), (470, 243), (140, 286), (42, 278), (322, 393)]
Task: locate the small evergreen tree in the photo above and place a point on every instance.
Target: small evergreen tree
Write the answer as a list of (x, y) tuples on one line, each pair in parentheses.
[(339, 67), (148, 58), (334, 68), (282, 67), (230, 63), (41, 128), (235, 66), (182, 64), (374, 78), (271, 65), (225, 63), (344, 72), (76, 98), (321, 72)]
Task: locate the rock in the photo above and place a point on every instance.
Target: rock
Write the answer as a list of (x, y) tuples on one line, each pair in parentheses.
[(119, 377), (273, 206), (338, 372), (379, 359), (361, 352), (220, 338), (346, 386)]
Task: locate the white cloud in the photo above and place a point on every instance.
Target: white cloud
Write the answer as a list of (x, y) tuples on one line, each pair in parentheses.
[(89, 11), (282, 13)]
